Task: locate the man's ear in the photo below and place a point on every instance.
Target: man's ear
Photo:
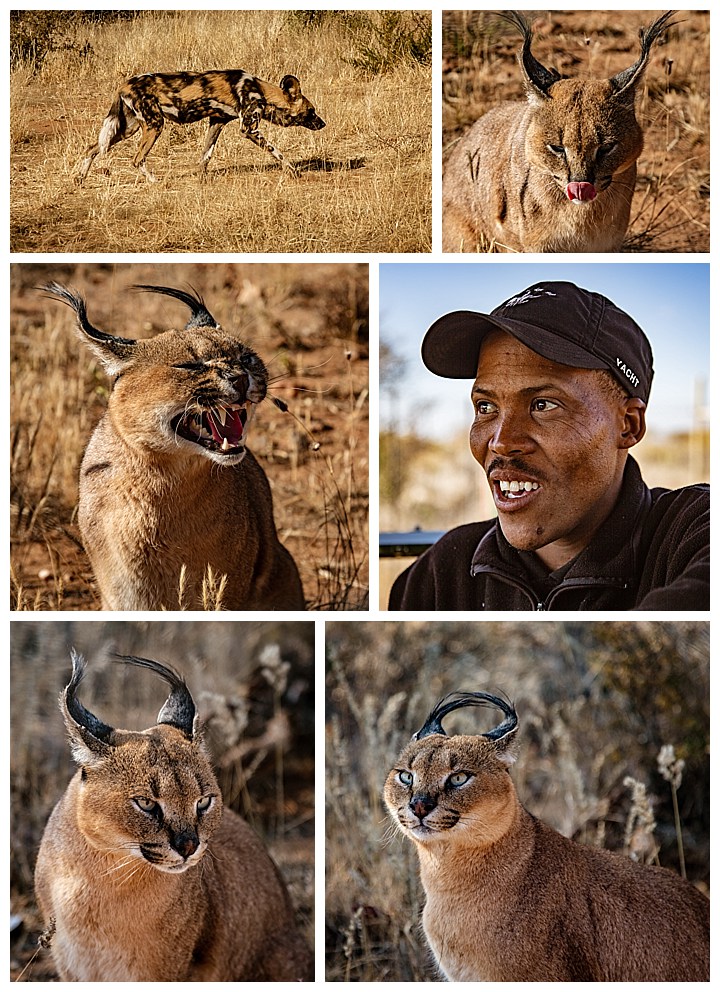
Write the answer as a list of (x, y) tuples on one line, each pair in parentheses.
[(633, 422)]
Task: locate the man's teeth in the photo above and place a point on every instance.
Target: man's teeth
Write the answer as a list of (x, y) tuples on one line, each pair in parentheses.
[(517, 487)]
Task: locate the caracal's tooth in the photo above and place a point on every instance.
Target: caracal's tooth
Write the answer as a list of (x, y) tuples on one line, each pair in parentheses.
[(225, 444), (221, 414)]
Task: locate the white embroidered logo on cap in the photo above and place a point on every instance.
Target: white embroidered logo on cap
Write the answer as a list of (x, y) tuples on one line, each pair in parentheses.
[(627, 372), (530, 294)]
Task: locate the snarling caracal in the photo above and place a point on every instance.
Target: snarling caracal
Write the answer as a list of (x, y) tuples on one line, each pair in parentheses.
[(169, 492)]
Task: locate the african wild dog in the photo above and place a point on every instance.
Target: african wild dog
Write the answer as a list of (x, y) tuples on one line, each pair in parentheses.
[(184, 97)]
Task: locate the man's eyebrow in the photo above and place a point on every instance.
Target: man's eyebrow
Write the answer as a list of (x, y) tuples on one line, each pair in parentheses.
[(525, 391)]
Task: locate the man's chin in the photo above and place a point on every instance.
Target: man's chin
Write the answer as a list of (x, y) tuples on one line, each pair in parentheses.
[(523, 538)]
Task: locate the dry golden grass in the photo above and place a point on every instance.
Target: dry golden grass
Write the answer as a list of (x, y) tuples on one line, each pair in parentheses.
[(596, 703), (309, 324), (364, 182), (260, 731), (671, 207)]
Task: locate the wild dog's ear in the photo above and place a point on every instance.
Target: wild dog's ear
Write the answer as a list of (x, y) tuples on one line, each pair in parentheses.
[(290, 85), (90, 739), (115, 353)]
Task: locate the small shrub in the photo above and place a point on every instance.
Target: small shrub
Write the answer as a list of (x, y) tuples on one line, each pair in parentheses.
[(34, 34), (394, 41)]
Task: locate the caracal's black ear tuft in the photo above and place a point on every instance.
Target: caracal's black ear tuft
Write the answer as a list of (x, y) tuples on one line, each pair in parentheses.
[(91, 740), (458, 700), (624, 83), (115, 353), (201, 316), (178, 709)]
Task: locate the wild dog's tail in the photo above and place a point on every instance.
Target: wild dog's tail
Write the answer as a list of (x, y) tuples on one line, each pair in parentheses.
[(114, 127)]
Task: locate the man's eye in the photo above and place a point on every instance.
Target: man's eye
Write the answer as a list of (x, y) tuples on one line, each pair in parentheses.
[(543, 405), (484, 407)]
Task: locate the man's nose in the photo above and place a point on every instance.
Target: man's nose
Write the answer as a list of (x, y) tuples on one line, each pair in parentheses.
[(510, 436)]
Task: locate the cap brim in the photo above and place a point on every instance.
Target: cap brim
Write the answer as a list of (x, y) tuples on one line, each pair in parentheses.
[(451, 346)]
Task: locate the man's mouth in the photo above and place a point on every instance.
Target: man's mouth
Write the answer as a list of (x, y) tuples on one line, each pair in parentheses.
[(513, 494), (515, 488), (220, 428)]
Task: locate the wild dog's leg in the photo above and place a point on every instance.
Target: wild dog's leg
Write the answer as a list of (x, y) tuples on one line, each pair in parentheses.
[(151, 120), (250, 127), (120, 123), (213, 134)]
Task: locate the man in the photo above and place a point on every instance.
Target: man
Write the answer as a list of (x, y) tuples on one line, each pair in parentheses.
[(562, 379)]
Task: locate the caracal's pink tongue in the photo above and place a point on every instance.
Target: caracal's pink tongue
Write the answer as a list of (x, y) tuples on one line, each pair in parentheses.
[(580, 191), (233, 429)]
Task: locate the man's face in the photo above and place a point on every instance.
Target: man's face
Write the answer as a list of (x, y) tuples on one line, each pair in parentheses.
[(553, 443)]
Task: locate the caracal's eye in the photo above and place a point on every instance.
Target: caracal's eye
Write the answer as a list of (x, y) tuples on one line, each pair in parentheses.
[(204, 804), (145, 804), (558, 150), (405, 778), (459, 778), (605, 150)]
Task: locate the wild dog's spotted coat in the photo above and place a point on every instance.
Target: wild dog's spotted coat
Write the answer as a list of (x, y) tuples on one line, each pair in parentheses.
[(147, 101)]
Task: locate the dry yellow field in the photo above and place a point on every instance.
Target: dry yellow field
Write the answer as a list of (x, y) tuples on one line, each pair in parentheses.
[(364, 180)]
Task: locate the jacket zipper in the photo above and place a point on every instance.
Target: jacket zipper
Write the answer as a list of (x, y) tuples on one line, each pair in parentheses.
[(542, 606)]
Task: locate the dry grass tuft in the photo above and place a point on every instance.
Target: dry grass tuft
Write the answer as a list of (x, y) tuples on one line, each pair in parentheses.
[(671, 207), (364, 182), (307, 321)]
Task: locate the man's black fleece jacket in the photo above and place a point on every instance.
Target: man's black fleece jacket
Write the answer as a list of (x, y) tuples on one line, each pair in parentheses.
[(651, 553)]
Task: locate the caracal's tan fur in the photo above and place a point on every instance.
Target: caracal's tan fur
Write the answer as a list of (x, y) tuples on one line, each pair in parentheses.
[(182, 894), (510, 899), (160, 514), (506, 181)]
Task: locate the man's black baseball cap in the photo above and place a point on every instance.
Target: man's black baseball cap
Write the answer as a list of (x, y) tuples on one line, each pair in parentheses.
[(557, 320)]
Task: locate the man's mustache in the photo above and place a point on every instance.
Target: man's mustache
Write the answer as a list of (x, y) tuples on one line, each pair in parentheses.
[(513, 464)]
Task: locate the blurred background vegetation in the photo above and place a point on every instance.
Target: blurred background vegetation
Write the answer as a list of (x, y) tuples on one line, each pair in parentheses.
[(596, 703)]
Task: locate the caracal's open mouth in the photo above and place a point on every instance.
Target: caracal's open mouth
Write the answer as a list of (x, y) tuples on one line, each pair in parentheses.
[(220, 429)]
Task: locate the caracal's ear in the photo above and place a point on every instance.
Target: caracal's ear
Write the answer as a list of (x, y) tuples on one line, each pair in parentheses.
[(625, 83), (179, 708), (501, 738), (115, 353), (506, 748), (91, 740)]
